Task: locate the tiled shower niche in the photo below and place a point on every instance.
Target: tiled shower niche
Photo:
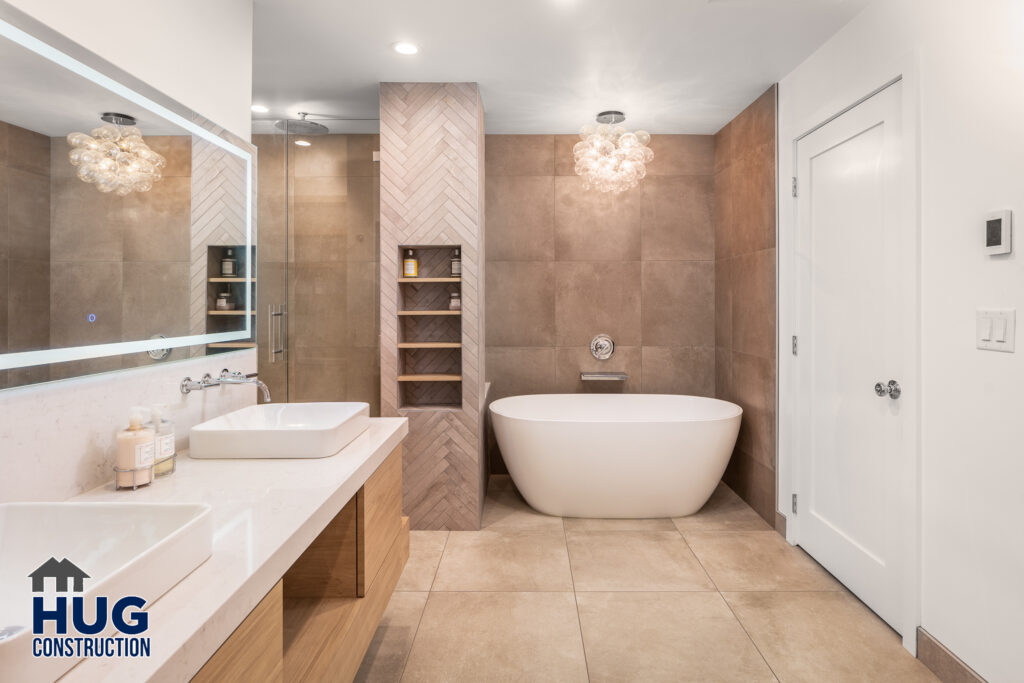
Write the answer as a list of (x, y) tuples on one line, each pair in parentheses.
[(429, 333)]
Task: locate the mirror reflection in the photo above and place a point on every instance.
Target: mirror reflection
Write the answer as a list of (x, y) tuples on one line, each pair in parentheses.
[(116, 225)]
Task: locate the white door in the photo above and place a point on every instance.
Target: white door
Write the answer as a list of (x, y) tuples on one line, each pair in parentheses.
[(857, 298)]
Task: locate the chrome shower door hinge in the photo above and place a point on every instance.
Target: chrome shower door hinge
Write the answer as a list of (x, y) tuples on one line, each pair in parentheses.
[(794, 344)]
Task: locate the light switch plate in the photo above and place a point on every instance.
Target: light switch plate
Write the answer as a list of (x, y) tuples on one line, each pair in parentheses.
[(996, 330)]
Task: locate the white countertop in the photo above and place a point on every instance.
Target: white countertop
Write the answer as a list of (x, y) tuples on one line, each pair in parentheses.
[(265, 514)]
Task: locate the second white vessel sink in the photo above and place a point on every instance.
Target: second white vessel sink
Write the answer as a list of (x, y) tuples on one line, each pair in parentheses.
[(88, 550), (280, 430)]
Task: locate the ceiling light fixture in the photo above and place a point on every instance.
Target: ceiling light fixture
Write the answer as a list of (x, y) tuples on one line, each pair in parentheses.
[(259, 109), (303, 143), (608, 157), (115, 157), (406, 48)]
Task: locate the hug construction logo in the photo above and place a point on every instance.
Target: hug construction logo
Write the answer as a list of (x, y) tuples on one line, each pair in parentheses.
[(87, 621)]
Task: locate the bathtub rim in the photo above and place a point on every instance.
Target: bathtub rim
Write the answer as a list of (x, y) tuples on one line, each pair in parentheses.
[(736, 412)]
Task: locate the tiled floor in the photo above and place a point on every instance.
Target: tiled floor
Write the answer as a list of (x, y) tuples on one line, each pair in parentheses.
[(718, 596)]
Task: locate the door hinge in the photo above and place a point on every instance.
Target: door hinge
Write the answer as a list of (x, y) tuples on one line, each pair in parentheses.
[(794, 503), (794, 186), (794, 344)]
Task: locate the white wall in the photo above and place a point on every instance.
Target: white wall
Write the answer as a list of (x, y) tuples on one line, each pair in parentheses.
[(56, 438), (195, 51), (969, 58)]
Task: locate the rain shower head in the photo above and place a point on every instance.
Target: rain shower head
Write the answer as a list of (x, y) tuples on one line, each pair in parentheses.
[(301, 126)]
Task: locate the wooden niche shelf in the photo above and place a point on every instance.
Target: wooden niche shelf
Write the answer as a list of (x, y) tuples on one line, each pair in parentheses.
[(429, 332), (229, 321)]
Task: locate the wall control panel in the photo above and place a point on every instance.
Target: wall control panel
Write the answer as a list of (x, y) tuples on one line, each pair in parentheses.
[(999, 232), (996, 330)]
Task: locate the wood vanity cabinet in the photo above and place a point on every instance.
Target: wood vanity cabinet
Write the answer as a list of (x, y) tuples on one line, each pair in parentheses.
[(319, 619)]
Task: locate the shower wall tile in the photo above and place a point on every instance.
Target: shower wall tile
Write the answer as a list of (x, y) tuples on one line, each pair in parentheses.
[(28, 151), (564, 265), (745, 297), (28, 215)]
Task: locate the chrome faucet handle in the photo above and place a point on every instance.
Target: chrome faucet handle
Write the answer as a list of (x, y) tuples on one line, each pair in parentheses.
[(602, 347)]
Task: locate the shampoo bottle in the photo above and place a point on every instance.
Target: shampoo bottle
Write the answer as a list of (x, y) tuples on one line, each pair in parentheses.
[(135, 453), (410, 264)]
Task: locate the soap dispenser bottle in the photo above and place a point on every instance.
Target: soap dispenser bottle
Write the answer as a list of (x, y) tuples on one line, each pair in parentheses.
[(410, 264), (136, 452), (163, 429)]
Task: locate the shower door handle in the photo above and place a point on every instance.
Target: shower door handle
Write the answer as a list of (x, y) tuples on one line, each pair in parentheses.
[(275, 336)]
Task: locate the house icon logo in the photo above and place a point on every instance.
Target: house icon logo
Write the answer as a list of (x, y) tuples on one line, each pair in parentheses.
[(61, 572)]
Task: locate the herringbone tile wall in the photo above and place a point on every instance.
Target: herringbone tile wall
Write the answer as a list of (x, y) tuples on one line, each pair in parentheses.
[(431, 169)]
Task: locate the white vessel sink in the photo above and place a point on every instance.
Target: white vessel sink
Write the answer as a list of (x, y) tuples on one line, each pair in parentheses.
[(280, 430), (137, 549)]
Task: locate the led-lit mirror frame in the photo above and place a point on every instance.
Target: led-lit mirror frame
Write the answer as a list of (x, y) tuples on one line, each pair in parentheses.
[(162, 106)]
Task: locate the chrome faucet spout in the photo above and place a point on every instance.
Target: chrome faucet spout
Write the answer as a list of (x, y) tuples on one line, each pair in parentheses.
[(188, 384)]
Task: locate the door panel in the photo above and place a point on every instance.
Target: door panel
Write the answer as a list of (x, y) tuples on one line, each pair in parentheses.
[(853, 311)]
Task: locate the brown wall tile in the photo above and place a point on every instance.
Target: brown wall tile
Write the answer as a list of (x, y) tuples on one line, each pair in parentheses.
[(520, 305), (752, 279), (155, 225), (676, 223), (682, 155), (745, 308), (28, 215), (596, 226), (155, 300), (571, 361), (595, 298), (519, 155), (679, 303), (78, 289), (513, 371), (28, 305), (28, 151), (688, 370), (520, 218)]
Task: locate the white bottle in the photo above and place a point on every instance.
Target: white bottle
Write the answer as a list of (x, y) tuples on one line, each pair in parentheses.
[(136, 452)]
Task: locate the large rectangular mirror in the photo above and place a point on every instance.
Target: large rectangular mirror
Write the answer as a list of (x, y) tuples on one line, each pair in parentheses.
[(126, 220)]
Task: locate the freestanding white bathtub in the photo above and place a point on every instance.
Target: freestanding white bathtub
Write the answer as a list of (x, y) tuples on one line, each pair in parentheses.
[(615, 455)]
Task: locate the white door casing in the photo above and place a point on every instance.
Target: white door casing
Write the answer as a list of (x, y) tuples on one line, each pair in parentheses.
[(857, 322)]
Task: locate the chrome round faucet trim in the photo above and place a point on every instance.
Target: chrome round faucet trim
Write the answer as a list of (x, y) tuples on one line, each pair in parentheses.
[(602, 347)]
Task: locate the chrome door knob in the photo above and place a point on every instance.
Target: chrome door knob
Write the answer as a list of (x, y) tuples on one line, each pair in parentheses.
[(892, 389)]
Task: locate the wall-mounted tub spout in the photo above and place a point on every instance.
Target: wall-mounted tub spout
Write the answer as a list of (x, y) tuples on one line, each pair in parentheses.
[(604, 376)]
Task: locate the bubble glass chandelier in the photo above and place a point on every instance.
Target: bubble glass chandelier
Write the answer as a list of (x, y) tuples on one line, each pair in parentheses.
[(608, 157), (115, 158)]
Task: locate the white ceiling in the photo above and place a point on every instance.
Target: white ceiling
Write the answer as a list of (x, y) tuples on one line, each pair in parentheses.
[(544, 66), (46, 98)]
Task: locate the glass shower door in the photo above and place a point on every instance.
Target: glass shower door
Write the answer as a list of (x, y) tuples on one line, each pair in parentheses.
[(272, 254)]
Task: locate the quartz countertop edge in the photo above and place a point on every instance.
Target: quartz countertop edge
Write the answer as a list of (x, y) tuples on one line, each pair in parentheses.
[(265, 514)]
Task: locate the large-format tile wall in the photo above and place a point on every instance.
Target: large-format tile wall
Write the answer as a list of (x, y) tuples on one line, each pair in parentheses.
[(124, 259), (745, 311), (24, 248), (318, 214), (564, 265)]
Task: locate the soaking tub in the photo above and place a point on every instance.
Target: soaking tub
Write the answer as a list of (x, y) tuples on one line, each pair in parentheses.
[(615, 455)]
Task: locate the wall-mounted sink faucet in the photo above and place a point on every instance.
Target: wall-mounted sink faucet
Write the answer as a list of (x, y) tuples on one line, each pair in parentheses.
[(226, 377)]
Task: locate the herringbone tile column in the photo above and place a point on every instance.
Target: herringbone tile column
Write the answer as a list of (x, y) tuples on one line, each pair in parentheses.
[(431, 193)]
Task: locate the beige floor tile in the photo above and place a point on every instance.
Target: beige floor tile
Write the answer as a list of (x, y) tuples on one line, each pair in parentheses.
[(498, 637), (666, 637), (634, 561), (507, 560), (824, 636), (758, 561), (506, 509), (425, 548), (724, 511), (585, 524), (392, 642)]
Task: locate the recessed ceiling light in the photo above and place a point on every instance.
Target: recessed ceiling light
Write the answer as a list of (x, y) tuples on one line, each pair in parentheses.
[(259, 109), (303, 143), (405, 48)]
